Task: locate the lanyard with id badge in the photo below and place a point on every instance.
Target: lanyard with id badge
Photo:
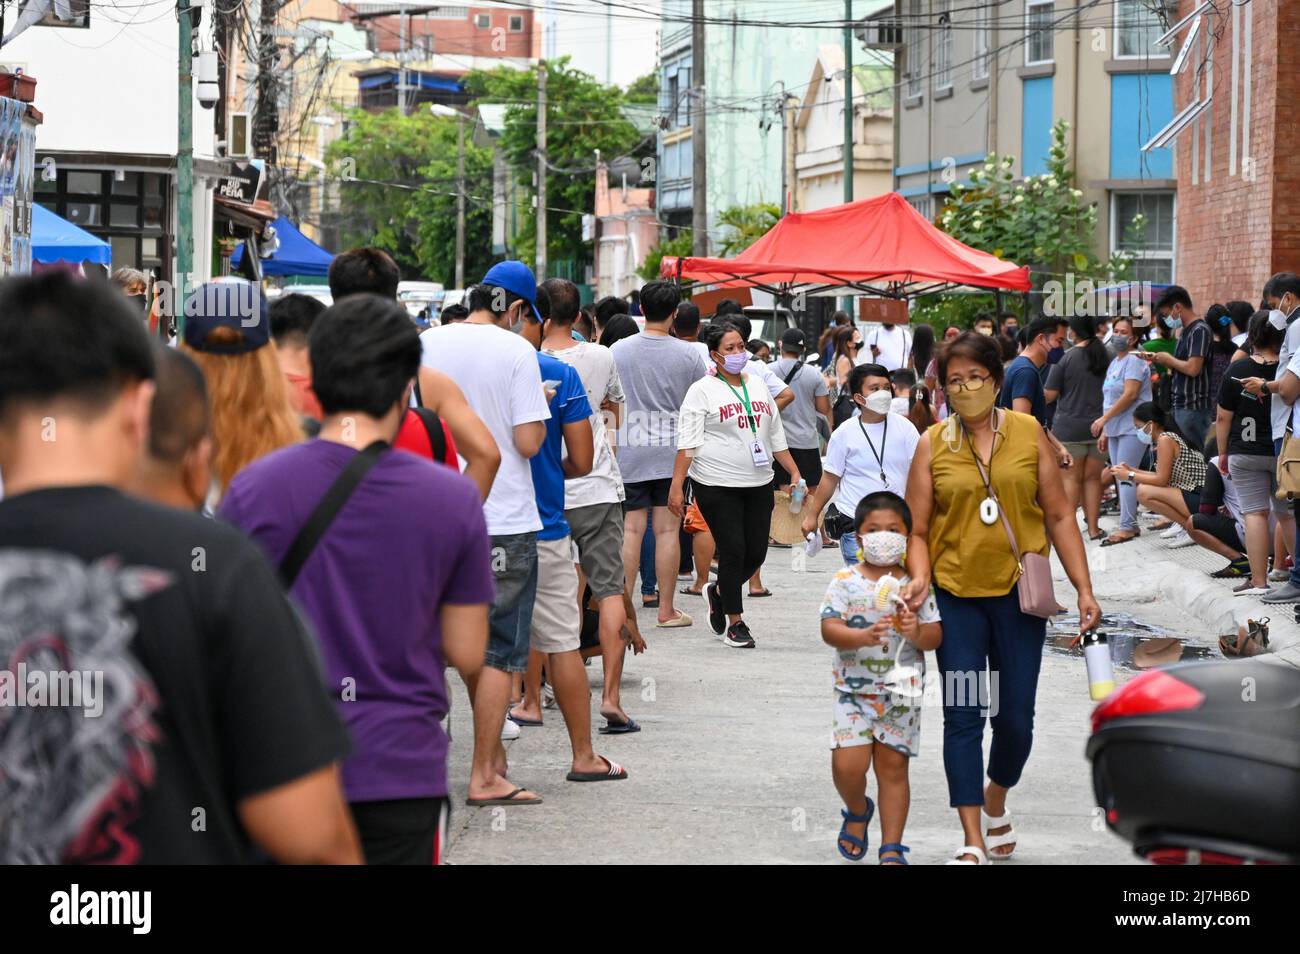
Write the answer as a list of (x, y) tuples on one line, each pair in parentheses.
[(756, 448)]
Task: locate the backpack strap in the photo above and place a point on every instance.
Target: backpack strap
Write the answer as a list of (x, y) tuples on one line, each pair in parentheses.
[(337, 495), (793, 371), (433, 427)]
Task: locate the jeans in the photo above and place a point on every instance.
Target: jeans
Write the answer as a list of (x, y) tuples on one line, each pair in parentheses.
[(979, 633), (1194, 425), (1129, 450), (739, 519), (649, 583), (510, 618), (849, 549)]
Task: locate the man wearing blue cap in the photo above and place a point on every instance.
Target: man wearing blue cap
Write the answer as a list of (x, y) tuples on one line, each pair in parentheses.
[(500, 376)]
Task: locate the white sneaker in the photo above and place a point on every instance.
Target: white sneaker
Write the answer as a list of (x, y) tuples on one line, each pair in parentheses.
[(1172, 532), (510, 730), (1279, 576), (1179, 540), (548, 696)]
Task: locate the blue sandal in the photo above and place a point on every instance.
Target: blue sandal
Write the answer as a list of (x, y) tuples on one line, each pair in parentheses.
[(859, 843), (893, 848)]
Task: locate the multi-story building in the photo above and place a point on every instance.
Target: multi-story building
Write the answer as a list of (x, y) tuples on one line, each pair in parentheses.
[(751, 65), (1238, 179), (106, 152), (980, 77)]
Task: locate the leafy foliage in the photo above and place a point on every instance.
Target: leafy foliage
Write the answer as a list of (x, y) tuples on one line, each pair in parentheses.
[(673, 247), (746, 224)]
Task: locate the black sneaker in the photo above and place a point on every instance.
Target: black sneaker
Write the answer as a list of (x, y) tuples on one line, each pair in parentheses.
[(738, 636), (717, 618), (1235, 570)]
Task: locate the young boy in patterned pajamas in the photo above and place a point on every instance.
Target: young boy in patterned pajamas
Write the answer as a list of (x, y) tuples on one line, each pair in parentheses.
[(879, 672)]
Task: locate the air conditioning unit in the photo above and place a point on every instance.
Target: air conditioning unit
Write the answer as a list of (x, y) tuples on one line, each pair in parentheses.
[(239, 136), (882, 34)]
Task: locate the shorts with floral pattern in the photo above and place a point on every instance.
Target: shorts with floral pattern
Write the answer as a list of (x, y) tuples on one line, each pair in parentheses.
[(862, 719)]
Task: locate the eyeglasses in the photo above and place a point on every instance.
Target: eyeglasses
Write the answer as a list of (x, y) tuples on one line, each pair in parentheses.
[(974, 384)]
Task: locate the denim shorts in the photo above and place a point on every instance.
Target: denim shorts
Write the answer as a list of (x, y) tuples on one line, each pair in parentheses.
[(510, 620)]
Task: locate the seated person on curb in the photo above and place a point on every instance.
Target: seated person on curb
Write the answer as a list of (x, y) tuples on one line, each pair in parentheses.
[(1173, 489)]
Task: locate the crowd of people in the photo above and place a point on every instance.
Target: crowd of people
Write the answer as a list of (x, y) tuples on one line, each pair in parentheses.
[(280, 532)]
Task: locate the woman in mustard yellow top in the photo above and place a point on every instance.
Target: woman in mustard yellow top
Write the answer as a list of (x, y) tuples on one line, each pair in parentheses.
[(959, 543)]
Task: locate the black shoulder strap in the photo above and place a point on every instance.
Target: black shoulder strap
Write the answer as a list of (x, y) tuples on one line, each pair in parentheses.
[(793, 371), (312, 531), (419, 398), (433, 427)]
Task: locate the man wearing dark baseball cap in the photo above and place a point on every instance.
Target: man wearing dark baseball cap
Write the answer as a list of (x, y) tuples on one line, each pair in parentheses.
[(799, 417)]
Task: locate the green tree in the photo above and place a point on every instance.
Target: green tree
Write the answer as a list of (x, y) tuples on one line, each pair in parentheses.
[(643, 89), (583, 116), (745, 225), (1041, 221), (672, 248)]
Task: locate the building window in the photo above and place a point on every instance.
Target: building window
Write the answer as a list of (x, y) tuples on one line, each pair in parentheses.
[(1038, 33), (80, 10), (677, 93), (1151, 247), (923, 204), (128, 209), (914, 36), (483, 20), (943, 47), (516, 23), (1137, 26), (980, 64)]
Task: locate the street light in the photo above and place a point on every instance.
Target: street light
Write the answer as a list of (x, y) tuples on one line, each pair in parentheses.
[(438, 109)]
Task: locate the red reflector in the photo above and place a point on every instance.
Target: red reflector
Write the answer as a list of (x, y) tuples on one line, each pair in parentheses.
[(1149, 693), (1112, 816)]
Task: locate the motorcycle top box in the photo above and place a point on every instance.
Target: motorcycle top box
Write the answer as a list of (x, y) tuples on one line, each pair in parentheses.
[(1202, 760)]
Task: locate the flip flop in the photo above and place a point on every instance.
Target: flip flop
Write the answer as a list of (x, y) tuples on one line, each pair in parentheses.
[(521, 721), (618, 728), (761, 593), (650, 604), (616, 772), (504, 800), (1113, 541), (682, 619), (690, 592)]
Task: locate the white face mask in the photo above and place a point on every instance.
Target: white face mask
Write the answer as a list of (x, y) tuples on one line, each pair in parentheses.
[(1277, 319), (883, 548), (878, 402)]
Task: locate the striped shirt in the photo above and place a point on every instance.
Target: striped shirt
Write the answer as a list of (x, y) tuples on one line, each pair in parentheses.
[(1190, 392)]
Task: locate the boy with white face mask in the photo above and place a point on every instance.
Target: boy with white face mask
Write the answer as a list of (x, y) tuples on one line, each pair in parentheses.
[(869, 452), (879, 671)]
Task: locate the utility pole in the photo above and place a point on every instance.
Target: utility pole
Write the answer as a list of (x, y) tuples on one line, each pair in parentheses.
[(401, 58), (846, 302), (699, 166), (541, 172), (184, 164), (460, 201), (848, 100), (609, 45)]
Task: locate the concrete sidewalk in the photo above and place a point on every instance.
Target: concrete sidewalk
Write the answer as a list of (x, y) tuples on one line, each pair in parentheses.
[(732, 765)]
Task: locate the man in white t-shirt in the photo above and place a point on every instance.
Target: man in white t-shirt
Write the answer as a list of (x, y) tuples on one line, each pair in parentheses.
[(499, 374), (869, 452), (889, 346), (593, 505)]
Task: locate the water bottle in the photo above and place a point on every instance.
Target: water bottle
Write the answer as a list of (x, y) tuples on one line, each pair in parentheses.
[(797, 493), (1101, 673)]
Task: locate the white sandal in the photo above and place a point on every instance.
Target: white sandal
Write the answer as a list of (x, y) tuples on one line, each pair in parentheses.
[(998, 841), (969, 850)]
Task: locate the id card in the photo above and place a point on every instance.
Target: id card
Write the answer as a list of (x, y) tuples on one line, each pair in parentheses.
[(760, 454)]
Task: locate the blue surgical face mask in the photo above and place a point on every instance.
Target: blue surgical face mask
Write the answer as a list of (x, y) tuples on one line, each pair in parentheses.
[(1144, 436), (1171, 322)]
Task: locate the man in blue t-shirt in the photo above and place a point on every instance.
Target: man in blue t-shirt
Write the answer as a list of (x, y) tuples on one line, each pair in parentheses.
[(1022, 385), (557, 621)]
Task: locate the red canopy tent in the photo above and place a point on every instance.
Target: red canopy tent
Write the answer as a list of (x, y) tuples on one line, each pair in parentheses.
[(881, 247)]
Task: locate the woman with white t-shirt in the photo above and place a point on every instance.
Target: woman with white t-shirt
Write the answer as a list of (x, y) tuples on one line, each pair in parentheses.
[(729, 431), (870, 452)]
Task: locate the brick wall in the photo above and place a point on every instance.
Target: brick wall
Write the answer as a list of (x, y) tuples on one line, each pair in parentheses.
[(1237, 229)]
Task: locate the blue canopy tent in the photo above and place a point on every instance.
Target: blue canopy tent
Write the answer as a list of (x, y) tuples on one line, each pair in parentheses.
[(297, 254), (58, 240)]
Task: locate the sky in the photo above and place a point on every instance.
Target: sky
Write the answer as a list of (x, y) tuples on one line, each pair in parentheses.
[(581, 30)]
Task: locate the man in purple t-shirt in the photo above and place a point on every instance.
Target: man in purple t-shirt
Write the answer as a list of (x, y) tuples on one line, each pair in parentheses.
[(398, 586)]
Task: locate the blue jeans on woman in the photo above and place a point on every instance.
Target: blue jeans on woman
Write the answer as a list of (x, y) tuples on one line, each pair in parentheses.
[(987, 633), (649, 583), (1126, 449)]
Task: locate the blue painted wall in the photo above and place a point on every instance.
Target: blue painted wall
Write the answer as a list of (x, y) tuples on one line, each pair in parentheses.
[(1036, 126), (1141, 104)]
